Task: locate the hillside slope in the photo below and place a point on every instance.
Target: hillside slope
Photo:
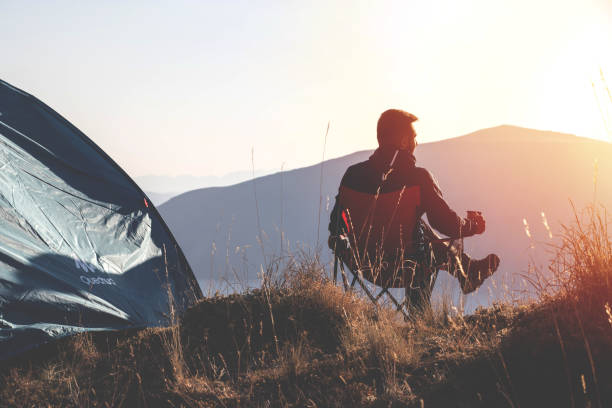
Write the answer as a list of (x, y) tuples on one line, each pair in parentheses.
[(217, 227), (301, 341), (308, 344)]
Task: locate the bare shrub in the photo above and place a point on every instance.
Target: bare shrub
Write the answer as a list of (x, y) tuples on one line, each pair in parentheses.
[(581, 271)]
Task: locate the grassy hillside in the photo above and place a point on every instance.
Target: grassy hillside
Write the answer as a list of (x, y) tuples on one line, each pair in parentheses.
[(301, 341)]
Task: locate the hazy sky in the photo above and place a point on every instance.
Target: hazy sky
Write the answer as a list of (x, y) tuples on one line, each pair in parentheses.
[(189, 87)]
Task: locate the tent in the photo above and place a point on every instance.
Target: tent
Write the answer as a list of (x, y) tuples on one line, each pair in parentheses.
[(81, 246)]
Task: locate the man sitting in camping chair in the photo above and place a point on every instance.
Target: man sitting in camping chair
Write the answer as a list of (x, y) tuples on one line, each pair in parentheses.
[(376, 227)]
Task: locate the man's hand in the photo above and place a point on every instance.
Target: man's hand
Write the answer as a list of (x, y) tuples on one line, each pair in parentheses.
[(476, 222)]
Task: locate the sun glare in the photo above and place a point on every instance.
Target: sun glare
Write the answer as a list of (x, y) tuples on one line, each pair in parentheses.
[(574, 91)]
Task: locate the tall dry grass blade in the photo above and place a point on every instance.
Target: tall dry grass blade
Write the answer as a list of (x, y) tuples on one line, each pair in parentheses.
[(601, 110), (605, 84), (608, 312), (266, 289), (259, 230), (321, 185), (172, 341), (282, 209), (590, 355), (564, 354), (507, 373)]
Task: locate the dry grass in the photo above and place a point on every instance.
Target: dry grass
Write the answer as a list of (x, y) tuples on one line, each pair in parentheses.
[(334, 349), (582, 269), (577, 292), (302, 341)]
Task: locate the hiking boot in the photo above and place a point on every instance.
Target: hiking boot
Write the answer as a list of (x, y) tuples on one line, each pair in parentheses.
[(477, 270)]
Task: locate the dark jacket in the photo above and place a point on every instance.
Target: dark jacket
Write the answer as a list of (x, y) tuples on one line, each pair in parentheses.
[(388, 171)]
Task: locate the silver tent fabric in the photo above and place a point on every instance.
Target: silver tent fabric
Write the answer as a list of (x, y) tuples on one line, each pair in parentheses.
[(81, 246)]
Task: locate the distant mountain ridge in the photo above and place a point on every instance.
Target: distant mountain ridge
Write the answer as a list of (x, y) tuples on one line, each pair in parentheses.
[(510, 173), (159, 198), (161, 188)]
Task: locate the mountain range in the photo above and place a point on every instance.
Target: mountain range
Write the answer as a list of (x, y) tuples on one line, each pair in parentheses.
[(524, 181), (160, 188)]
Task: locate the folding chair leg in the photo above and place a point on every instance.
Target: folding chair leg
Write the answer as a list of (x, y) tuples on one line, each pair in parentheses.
[(344, 278), (365, 289), (407, 290), (335, 268), (382, 292), (399, 306), (359, 279)]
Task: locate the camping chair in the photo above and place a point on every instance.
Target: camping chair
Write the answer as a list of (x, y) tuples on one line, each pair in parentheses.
[(383, 243)]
